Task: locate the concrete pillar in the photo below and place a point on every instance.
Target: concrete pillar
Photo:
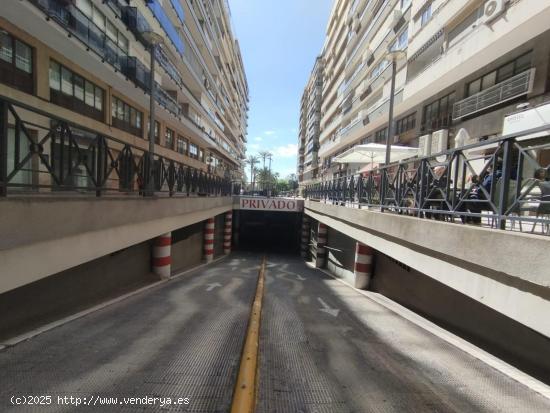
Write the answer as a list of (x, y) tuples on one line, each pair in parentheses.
[(162, 255), (304, 246), (209, 240), (228, 229), (363, 265), (321, 258)]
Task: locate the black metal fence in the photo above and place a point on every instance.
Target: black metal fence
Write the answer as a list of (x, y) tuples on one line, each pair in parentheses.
[(503, 183), (43, 154)]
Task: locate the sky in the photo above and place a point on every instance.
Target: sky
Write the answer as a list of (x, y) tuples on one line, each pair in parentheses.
[(279, 41)]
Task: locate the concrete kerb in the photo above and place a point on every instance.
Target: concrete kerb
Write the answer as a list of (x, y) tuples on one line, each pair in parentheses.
[(58, 323), (465, 346)]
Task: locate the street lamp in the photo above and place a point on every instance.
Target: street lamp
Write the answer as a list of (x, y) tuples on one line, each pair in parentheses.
[(393, 55), (153, 39)]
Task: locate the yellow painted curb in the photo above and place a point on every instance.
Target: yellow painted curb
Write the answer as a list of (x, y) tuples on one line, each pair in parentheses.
[(244, 396)]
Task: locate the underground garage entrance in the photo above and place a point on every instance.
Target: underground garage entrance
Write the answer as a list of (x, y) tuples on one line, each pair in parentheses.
[(268, 224)]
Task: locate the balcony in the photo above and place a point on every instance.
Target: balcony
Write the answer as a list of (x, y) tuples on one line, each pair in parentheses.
[(84, 29), (136, 71), (509, 89)]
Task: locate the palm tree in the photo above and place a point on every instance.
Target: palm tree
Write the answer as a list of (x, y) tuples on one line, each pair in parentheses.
[(252, 161), (264, 155)]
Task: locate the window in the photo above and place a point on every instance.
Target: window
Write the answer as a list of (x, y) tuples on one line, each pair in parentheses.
[(169, 138), (381, 135), (126, 117), (401, 41), (405, 4), (201, 154), (16, 63), (55, 76), (74, 92), (193, 151), (23, 57), (506, 71), (405, 124), (426, 14), (438, 114), (182, 144), (378, 69)]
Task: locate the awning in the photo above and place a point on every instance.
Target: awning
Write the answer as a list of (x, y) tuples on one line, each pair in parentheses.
[(375, 153)]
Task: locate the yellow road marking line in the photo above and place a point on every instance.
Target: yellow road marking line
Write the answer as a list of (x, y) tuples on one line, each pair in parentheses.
[(244, 396)]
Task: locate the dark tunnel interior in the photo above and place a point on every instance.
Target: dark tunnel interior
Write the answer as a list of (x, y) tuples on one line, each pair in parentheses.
[(268, 231)]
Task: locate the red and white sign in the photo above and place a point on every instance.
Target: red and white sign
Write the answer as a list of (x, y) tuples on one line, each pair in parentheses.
[(272, 204)]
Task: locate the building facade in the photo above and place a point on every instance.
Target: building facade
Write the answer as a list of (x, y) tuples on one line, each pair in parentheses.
[(87, 63), (465, 66), (310, 120)]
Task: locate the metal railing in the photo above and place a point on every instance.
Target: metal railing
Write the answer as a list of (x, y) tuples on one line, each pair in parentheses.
[(511, 88), (41, 153), (514, 188)]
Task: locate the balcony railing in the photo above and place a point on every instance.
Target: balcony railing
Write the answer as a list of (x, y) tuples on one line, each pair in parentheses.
[(70, 158), (511, 192), (509, 89), (84, 29)]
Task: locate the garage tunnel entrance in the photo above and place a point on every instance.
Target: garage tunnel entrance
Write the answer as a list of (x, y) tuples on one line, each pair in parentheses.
[(268, 224)]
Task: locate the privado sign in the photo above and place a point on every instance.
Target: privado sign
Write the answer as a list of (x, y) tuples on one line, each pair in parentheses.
[(273, 204)]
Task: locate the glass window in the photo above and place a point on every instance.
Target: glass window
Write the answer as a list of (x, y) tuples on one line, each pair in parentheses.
[(6, 51), (66, 81), (98, 98), (505, 72), (111, 31), (89, 94), (55, 75), (85, 6), (99, 19), (138, 119), (426, 14), (120, 109), (523, 63), (133, 117), (114, 108), (78, 87), (474, 87), (488, 80), (123, 42), (405, 4), (127, 114)]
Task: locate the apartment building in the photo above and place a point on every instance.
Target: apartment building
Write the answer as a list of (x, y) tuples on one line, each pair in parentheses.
[(465, 66), (310, 120), (88, 63)]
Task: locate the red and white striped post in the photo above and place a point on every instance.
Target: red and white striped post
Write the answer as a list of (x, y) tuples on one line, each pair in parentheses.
[(227, 232), (162, 255), (304, 246), (321, 256), (209, 240), (363, 265)]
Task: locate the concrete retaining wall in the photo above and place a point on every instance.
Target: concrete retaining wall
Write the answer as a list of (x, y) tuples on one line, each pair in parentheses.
[(341, 255), (505, 271), (187, 247), (44, 236), (472, 320), (75, 289)]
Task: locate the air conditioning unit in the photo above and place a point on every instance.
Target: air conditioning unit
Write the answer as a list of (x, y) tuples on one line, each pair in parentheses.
[(439, 143), (425, 145), (493, 9)]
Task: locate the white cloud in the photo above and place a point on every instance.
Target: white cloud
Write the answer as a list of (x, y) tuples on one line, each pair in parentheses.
[(253, 146), (286, 151), (269, 132), (258, 138)]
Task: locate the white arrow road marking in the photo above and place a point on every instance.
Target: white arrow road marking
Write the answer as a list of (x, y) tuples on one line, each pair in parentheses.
[(332, 311), (212, 286), (298, 276)]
